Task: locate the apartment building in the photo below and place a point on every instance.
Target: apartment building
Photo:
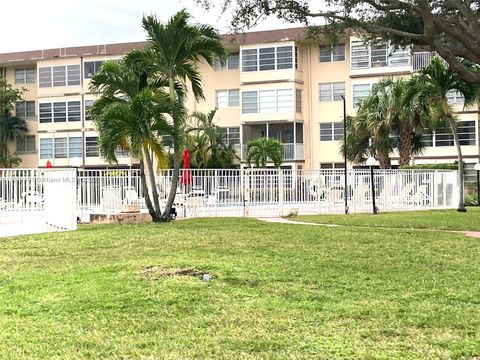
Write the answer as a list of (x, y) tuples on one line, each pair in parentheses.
[(274, 84)]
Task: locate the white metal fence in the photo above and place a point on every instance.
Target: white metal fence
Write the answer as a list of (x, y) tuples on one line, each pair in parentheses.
[(259, 192), (34, 200)]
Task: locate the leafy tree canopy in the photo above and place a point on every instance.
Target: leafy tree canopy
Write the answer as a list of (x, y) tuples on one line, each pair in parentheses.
[(450, 27)]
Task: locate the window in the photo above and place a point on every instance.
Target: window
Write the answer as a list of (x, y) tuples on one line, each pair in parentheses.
[(332, 53), (267, 101), (25, 76), (91, 68), (466, 133), (91, 146), (285, 100), (59, 76), (400, 57), (379, 55), (46, 148), (60, 148), (331, 131), (62, 111), (249, 60), (332, 165), (298, 101), (231, 63), (26, 144), (359, 55), (74, 147), (360, 91), (25, 109), (331, 91), (231, 135), (249, 102), (269, 58), (74, 111), (45, 112), (88, 104), (45, 77), (73, 72), (284, 57), (365, 56), (455, 97), (227, 98)]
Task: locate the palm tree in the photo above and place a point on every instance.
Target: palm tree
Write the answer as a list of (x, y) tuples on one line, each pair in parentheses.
[(435, 81), (259, 151), (10, 126), (394, 118), (131, 113), (175, 50)]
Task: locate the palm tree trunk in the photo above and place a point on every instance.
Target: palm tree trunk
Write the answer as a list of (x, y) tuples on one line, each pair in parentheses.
[(405, 146), (153, 183), (384, 160), (176, 159), (461, 204), (146, 194)]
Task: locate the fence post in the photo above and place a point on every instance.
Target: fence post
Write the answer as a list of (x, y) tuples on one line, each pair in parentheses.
[(215, 188), (280, 191)]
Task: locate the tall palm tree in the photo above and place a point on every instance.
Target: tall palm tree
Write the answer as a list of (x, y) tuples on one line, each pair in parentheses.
[(175, 50), (435, 81), (131, 113), (260, 150)]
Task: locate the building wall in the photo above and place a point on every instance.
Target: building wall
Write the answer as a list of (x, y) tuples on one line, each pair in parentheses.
[(306, 78)]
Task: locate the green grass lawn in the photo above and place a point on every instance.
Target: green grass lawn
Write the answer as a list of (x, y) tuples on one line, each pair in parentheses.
[(278, 291), (437, 219)]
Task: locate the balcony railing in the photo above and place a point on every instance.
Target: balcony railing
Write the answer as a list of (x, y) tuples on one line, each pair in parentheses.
[(291, 151), (422, 59)]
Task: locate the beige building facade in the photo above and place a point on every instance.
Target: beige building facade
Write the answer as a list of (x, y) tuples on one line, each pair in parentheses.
[(274, 84)]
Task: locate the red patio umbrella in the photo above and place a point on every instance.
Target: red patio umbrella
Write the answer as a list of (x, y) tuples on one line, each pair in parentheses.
[(49, 165), (186, 178)]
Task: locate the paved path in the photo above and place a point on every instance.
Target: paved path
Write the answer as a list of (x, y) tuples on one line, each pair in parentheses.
[(292, 222), (474, 234)]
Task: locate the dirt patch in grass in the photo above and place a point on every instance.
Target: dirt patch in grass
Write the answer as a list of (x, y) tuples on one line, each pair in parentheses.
[(156, 272)]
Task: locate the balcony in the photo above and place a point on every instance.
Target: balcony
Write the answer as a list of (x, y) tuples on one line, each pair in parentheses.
[(422, 59), (291, 152)]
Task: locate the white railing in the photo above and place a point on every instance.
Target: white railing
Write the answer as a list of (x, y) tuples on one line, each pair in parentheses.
[(422, 59), (260, 192), (37, 200), (291, 151)]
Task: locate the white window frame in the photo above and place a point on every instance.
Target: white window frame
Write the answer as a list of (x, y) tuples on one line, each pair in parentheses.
[(332, 91), (391, 55), (275, 46), (435, 133), (354, 105), (331, 47), (66, 72), (277, 94), (68, 110), (332, 129), (228, 95)]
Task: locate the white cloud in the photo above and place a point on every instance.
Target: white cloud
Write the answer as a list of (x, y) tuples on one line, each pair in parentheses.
[(35, 24)]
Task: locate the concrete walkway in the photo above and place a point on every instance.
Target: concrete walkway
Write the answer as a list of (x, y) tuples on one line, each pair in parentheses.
[(292, 222), (279, 220)]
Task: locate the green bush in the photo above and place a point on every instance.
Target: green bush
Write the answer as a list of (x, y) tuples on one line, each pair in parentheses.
[(450, 166), (471, 199)]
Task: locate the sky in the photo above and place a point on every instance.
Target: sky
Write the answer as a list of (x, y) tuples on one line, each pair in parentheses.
[(43, 24)]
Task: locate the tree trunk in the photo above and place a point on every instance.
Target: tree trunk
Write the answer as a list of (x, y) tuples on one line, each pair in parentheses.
[(173, 187), (405, 145), (384, 161), (453, 127), (146, 195), (153, 183), (176, 157)]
